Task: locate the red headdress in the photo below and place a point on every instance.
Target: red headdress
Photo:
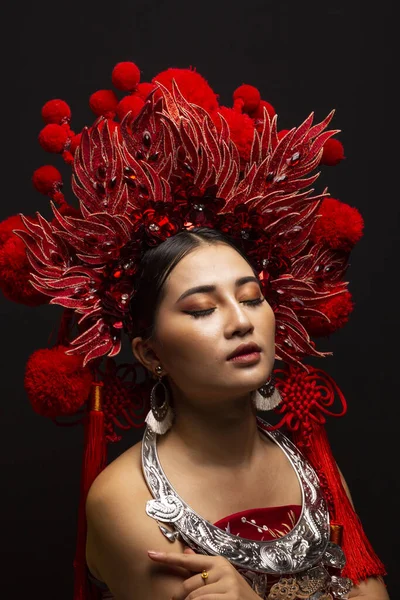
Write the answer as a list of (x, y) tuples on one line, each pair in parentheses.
[(163, 158)]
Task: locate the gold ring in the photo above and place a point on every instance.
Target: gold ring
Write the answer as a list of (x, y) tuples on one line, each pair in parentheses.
[(204, 575)]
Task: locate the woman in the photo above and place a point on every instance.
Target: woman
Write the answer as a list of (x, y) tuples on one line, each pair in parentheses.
[(196, 230), (201, 302)]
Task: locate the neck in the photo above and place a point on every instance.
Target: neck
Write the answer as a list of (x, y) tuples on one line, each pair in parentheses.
[(220, 435)]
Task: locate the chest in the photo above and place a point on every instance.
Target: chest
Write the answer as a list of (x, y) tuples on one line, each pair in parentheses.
[(216, 494)]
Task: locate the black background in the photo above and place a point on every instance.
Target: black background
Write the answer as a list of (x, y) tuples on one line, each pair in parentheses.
[(302, 56)]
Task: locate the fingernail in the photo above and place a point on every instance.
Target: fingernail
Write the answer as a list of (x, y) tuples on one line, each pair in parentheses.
[(155, 554)]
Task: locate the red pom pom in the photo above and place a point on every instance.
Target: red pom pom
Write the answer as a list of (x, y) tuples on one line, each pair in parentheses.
[(75, 141), (339, 225), (259, 112), (68, 158), (338, 309), (249, 96), (103, 103), (125, 76), (56, 111), (47, 179), (56, 383), (7, 227), (132, 104), (66, 210), (53, 138), (58, 197), (15, 272), (144, 89), (282, 133), (241, 128), (192, 86), (333, 152)]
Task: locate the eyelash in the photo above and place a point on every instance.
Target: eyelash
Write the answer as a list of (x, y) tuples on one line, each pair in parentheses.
[(204, 313)]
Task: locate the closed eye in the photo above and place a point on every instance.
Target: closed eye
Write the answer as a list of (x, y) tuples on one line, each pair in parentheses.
[(203, 313)]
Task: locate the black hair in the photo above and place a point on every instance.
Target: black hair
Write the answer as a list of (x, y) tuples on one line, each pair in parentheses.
[(155, 266)]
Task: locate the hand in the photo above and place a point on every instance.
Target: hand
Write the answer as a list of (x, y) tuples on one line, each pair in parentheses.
[(223, 578)]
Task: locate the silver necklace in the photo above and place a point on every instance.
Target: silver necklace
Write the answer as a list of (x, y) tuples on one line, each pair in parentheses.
[(304, 546)]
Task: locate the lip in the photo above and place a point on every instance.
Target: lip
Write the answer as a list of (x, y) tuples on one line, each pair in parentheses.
[(244, 349), (246, 359)]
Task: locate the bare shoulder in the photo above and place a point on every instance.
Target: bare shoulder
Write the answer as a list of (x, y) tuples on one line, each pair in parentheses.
[(118, 489), (115, 491), (118, 477), (120, 533)]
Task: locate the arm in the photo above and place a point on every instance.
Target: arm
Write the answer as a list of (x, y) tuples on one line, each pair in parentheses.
[(372, 588), (119, 535)]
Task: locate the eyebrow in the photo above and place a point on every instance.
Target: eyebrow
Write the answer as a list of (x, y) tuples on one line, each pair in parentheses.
[(201, 289)]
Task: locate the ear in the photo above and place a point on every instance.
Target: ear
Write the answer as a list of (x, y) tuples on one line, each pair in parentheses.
[(145, 354)]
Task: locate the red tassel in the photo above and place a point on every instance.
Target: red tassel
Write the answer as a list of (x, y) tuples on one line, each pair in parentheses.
[(308, 397), (94, 461), (361, 560)]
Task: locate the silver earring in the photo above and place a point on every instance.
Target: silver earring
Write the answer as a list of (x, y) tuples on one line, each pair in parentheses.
[(160, 416), (267, 396)]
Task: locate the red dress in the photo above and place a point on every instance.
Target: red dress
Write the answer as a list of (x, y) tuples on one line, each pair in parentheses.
[(262, 524)]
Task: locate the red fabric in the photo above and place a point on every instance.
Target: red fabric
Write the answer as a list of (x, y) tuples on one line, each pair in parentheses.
[(279, 520), (274, 522)]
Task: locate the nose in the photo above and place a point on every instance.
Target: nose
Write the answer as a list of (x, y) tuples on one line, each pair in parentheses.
[(238, 321)]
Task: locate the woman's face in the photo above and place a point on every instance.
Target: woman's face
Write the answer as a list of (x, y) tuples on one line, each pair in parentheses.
[(196, 329)]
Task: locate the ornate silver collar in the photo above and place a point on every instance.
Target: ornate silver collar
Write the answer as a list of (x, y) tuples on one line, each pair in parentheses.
[(300, 549)]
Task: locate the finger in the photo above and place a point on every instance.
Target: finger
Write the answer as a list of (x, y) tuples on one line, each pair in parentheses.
[(206, 596), (196, 590), (193, 562), (188, 550), (192, 585)]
